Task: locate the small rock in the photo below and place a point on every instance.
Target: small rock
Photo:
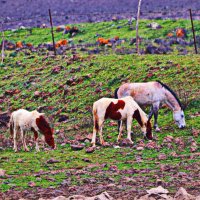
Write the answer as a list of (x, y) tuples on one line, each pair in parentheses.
[(77, 147), (164, 167), (19, 160), (125, 143), (52, 160), (195, 132), (60, 198), (31, 184), (151, 145), (168, 139), (86, 160), (140, 148), (158, 190), (159, 182), (2, 172), (182, 194), (90, 150), (182, 174), (193, 149), (63, 118), (154, 25), (162, 156), (36, 93), (113, 168), (116, 147)]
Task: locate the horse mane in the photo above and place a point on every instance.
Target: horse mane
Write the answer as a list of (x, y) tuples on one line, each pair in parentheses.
[(43, 125), (172, 92), (115, 94)]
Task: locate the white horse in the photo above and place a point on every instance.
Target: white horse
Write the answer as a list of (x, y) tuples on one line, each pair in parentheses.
[(119, 109), (23, 120), (154, 93)]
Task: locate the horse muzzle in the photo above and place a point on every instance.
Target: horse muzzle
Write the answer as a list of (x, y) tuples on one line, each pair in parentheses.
[(182, 126), (148, 138)]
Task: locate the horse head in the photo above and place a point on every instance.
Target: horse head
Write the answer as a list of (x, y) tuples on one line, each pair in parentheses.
[(179, 118), (147, 130), (46, 130), (49, 139)]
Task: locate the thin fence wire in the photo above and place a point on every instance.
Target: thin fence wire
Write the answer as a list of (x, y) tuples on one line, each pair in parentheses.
[(11, 20)]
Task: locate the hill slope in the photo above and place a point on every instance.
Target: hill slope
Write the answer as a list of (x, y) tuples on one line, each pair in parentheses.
[(65, 87)]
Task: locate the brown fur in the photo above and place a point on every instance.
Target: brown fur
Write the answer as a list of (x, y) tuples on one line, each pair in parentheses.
[(137, 116), (46, 130), (112, 110), (149, 130), (11, 127), (96, 120)]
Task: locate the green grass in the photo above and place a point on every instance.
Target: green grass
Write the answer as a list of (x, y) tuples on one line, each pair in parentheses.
[(30, 73)]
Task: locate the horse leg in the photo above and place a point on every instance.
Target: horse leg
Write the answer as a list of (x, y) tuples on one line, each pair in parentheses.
[(155, 112), (15, 139), (95, 130), (36, 139), (100, 132), (24, 140), (120, 130), (129, 123), (119, 124), (151, 113)]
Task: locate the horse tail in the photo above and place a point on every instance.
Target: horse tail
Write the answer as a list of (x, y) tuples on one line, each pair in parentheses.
[(11, 125), (116, 96), (95, 118)]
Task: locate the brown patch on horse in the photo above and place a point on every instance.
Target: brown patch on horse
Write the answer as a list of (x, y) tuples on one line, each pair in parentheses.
[(112, 110), (46, 130), (149, 130), (137, 116), (96, 125)]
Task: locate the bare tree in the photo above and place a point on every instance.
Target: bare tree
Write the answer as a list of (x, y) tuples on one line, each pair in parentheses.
[(137, 26), (2, 50)]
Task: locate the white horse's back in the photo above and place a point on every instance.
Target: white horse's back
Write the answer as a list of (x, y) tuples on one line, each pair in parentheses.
[(154, 93), (143, 93)]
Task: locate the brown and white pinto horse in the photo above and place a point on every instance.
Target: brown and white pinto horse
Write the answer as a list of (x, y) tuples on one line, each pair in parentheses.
[(23, 120), (154, 93), (119, 109)]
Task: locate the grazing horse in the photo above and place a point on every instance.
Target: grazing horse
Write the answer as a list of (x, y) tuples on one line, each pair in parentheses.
[(119, 109), (23, 120), (154, 93)]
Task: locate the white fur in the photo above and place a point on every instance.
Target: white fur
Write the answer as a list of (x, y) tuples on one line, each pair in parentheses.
[(153, 93), (99, 111), (23, 120)]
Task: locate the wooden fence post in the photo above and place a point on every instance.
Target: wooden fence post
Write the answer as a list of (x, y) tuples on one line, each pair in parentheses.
[(3, 44), (54, 46), (194, 37), (137, 27)]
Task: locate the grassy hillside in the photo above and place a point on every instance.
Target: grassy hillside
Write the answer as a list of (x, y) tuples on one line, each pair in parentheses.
[(66, 87)]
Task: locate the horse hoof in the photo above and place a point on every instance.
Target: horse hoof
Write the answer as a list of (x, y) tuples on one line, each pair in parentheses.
[(157, 129)]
